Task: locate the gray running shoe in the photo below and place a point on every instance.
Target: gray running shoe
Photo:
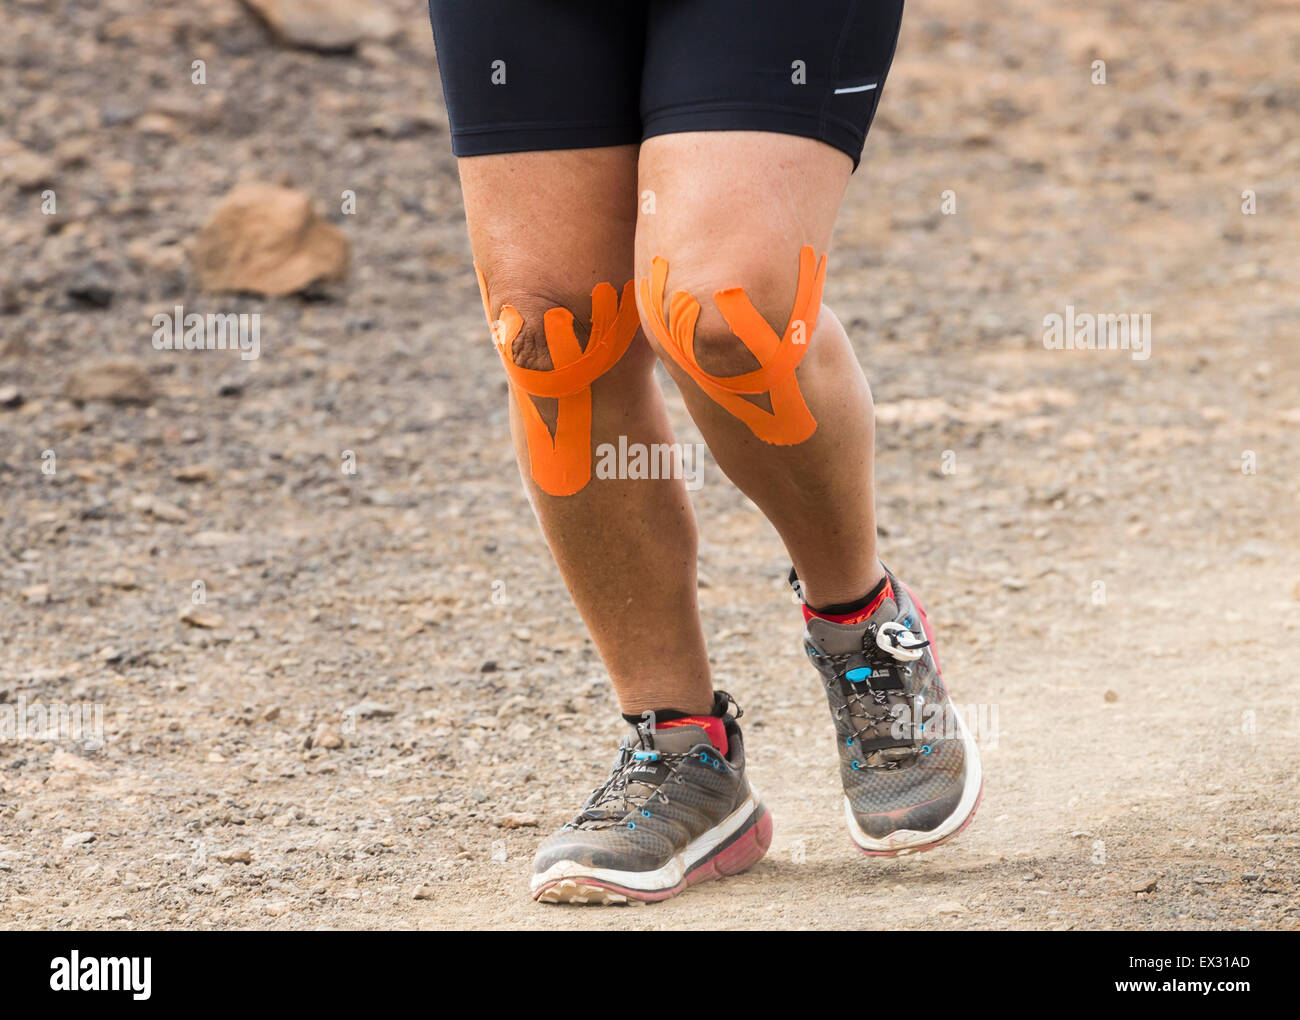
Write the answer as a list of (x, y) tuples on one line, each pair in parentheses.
[(910, 767), (672, 813)]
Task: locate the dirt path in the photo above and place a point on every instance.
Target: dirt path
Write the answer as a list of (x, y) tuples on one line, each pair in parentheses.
[(1102, 572)]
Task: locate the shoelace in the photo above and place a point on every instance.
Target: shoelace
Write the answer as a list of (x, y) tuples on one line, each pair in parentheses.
[(594, 814), (610, 803), (891, 647)]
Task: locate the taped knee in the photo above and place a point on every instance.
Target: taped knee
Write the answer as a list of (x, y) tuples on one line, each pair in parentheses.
[(788, 421), (553, 363)]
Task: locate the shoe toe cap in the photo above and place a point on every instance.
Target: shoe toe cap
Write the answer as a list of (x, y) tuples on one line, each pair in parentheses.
[(918, 797)]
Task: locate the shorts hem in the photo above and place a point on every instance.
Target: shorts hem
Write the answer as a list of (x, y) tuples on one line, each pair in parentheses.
[(504, 138), (754, 118)]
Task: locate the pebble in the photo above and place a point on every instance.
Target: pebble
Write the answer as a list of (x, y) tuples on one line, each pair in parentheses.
[(326, 737), (372, 710), (114, 381), (198, 616), (123, 579), (327, 26), (92, 288), (160, 509)]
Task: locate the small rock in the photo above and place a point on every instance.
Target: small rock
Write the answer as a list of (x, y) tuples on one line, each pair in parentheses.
[(1146, 887), (1111, 697), (1013, 584), (72, 763), (160, 509), (372, 710), (77, 839), (328, 26), (327, 738), (1257, 549), (196, 473), (518, 820), (424, 892), (92, 288), (264, 239), (198, 616), (27, 170), (157, 124), (10, 397), (214, 539), (36, 594), (123, 579), (241, 856), (116, 380)]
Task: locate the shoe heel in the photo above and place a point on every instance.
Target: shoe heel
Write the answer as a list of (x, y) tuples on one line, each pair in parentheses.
[(749, 849)]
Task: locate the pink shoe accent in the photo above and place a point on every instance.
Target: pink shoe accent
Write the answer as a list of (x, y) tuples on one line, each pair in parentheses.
[(925, 625)]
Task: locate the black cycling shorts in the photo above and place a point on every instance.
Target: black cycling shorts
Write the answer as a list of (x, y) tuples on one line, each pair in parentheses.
[(522, 75)]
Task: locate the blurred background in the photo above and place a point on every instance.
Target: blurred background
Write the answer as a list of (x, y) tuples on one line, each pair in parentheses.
[(341, 683)]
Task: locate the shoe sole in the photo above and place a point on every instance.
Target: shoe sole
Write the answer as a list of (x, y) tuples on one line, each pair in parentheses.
[(882, 848), (736, 843), (911, 841)]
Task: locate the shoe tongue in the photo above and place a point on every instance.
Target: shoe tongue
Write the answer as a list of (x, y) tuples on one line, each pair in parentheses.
[(679, 739), (648, 770), (843, 638)]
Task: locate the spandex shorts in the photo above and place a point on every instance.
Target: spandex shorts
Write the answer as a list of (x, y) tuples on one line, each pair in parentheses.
[(524, 75)]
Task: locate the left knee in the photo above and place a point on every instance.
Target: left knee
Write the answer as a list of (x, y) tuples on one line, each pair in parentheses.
[(769, 283)]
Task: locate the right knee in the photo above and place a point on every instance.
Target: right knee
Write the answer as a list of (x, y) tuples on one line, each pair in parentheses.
[(554, 347), (540, 325), (528, 343)]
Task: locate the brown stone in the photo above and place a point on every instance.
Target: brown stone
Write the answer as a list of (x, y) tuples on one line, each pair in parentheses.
[(116, 380), (329, 26), (265, 239)]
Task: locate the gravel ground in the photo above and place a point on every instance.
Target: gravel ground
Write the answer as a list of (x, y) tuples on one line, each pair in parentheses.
[(386, 699)]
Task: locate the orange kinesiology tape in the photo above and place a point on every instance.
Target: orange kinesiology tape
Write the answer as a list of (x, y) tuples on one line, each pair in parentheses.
[(789, 421), (560, 463)]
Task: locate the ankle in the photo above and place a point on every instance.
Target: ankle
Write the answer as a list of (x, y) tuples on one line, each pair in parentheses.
[(670, 718), (837, 598), (854, 610)]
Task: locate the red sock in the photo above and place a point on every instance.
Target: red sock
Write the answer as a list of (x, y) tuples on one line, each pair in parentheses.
[(855, 613), (710, 724)]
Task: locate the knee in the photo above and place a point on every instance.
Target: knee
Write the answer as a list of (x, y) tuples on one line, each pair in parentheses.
[(769, 284), (534, 345), (529, 345)]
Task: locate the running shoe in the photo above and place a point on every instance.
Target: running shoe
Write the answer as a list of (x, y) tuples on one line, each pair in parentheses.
[(909, 765), (673, 812)]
